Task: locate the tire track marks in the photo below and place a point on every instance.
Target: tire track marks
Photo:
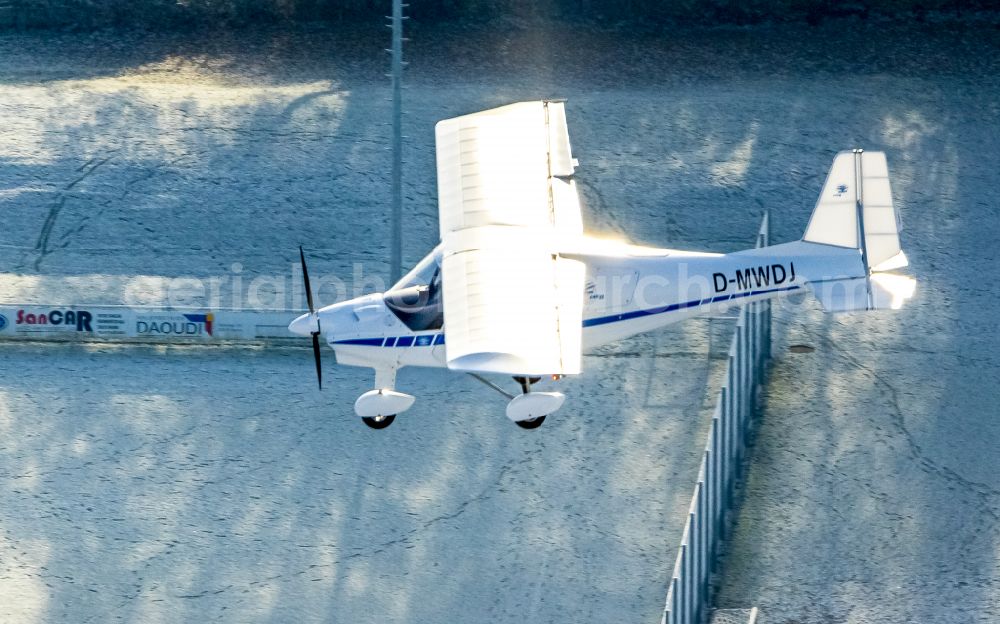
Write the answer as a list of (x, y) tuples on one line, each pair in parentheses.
[(44, 236)]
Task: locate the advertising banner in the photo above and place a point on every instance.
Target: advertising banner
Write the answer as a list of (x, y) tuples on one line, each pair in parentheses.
[(157, 325)]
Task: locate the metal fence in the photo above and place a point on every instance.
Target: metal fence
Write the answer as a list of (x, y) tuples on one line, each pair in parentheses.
[(689, 594)]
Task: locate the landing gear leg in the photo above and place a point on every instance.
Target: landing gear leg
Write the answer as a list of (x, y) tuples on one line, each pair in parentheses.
[(378, 408), (526, 383), (385, 378)]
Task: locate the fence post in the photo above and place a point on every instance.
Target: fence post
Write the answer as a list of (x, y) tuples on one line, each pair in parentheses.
[(739, 391), (703, 524), (760, 339), (689, 591), (693, 570), (767, 326), (727, 442), (682, 582), (675, 607), (717, 469), (754, 352), (747, 371)]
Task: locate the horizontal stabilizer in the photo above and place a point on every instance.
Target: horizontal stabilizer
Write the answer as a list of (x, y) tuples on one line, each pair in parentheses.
[(845, 295), (888, 292)]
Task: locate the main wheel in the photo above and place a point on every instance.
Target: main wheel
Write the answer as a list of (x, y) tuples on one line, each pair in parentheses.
[(379, 422), (533, 423)]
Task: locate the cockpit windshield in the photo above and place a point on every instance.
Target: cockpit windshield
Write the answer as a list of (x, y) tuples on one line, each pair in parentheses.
[(417, 299)]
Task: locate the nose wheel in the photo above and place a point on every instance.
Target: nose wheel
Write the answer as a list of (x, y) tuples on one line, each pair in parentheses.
[(378, 408)]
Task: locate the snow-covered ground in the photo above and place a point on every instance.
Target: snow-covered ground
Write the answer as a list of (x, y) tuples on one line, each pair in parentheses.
[(197, 484), (170, 485), (200, 484)]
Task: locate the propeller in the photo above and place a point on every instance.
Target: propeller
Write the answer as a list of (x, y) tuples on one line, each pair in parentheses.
[(312, 311)]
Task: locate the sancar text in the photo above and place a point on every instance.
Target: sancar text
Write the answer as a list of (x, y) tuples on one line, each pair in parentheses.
[(80, 319)]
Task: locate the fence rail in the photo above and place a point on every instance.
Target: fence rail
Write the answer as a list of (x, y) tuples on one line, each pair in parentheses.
[(689, 592)]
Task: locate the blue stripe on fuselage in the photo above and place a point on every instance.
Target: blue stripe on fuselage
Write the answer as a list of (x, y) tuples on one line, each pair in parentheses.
[(426, 340), (368, 342), (423, 340), (626, 316)]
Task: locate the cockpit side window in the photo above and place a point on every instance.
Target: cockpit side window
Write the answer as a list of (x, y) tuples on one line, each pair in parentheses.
[(417, 299)]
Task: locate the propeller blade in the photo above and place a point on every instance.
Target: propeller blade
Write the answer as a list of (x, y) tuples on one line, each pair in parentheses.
[(305, 278), (319, 368), (312, 311)]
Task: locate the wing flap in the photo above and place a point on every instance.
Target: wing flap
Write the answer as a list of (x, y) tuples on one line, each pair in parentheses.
[(511, 312)]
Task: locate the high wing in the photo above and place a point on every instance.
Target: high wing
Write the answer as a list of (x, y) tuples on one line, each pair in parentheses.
[(511, 303)]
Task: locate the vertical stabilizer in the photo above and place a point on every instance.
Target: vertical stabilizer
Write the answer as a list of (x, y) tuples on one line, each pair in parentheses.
[(855, 211)]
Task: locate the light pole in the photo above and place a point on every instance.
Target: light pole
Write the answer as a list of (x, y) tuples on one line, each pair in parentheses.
[(397, 140)]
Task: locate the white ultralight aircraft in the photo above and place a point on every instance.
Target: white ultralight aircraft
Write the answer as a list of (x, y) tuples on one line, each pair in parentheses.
[(516, 287)]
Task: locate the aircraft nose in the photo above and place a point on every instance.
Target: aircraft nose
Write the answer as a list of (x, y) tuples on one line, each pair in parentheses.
[(304, 325)]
